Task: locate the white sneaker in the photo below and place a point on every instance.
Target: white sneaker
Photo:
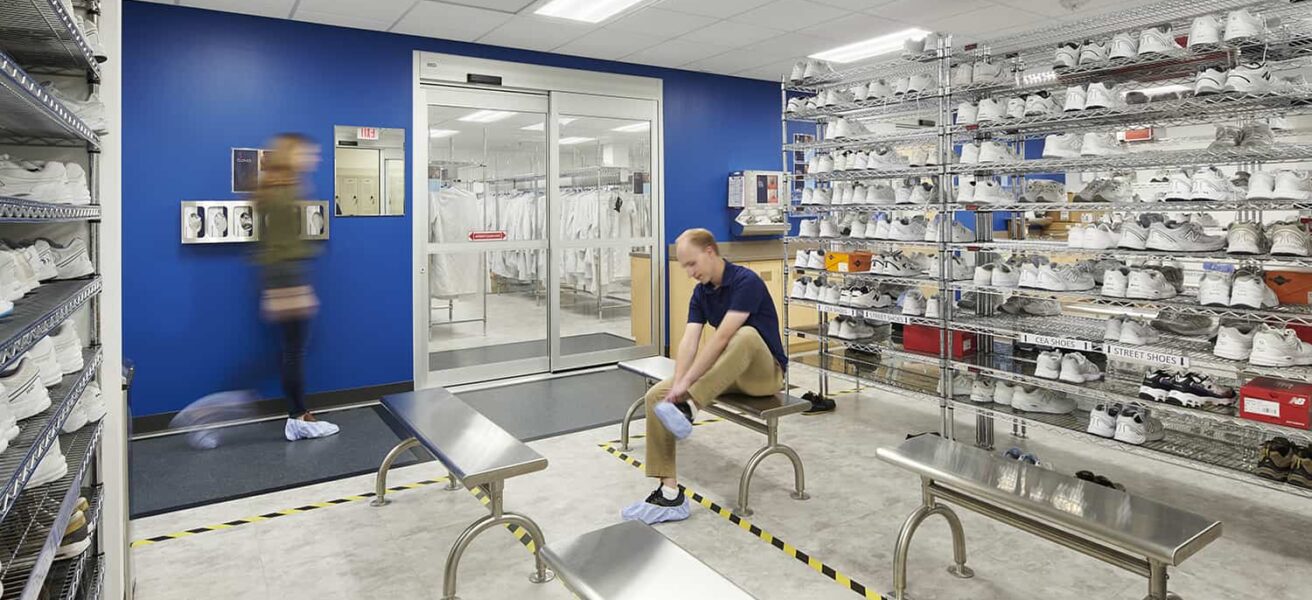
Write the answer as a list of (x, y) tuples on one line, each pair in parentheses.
[(1158, 41), (1003, 392), (907, 229), (1111, 331), (883, 230), (825, 164), (43, 355), (1243, 25), (1279, 348), (1137, 332), (815, 259), (989, 191), (53, 467), (913, 303), (987, 72), (970, 153), (45, 183), (72, 259), (1006, 275), (995, 151), (1134, 236), (1044, 190), (1124, 46), (984, 274), (27, 396), (1136, 425), (296, 429), (93, 402), (1098, 95), (809, 228), (1075, 98), (924, 193), (1182, 237), (880, 193), (957, 269), (1015, 107), (1100, 144), (802, 259), (1243, 237), (1214, 288), (1048, 365), (798, 72), (1146, 284), (963, 74), (1101, 237), (1067, 56), (879, 90), (1075, 368), (1261, 186), (1251, 78), (921, 83), (90, 110), (1205, 31), (1235, 342), (1290, 239), (68, 347), (981, 392), (965, 190), (1102, 420), (799, 288), (991, 110), (1251, 291), (1115, 282), (1064, 279), (1291, 186), (1211, 184), (1181, 187), (1209, 80), (1039, 104), (901, 86), (813, 291), (1041, 400), (933, 308), (831, 294), (828, 229), (1029, 276), (1093, 53), (76, 188), (1062, 145), (967, 114)]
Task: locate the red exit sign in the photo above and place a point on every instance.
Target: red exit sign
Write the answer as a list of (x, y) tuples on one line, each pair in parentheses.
[(367, 133), (486, 236)]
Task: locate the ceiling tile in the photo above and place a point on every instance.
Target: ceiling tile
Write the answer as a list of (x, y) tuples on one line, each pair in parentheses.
[(791, 46), (927, 13), (771, 72), (989, 22), (853, 28), (610, 44), (447, 21), (376, 14), (730, 33), (791, 15), (729, 62), (675, 53), (1055, 9), (719, 9), (510, 6), (661, 22), (263, 8), (535, 33)]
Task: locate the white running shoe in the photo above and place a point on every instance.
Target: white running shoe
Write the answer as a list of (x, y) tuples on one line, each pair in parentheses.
[(1244, 237), (77, 190), (921, 83), (68, 347), (901, 86), (1041, 400), (72, 259), (1124, 46), (828, 229), (1062, 145), (1015, 107), (984, 274), (1115, 282), (907, 229), (1064, 279), (1235, 342), (986, 72), (1100, 144), (970, 153), (1291, 186), (47, 182), (1181, 187), (1100, 237), (1075, 368), (27, 396), (1279, 348), (1211, 184), (991, 110), (924, 193), (1261, 186), (1003, 392), (1137, 332), (1158, 41), (1098, 95), (1075, 98), (1044, 190), (1251, 291), (1209, 80), (880, 193), (913, 303), (1136, 425), (1243, 25), (995, 151), (813, 291), (1111, 331), (883, 230), (798, 72), (1182, 237), (1214, 288), (1205, 31), (965, 190), (1251, 78), (296, 429), (815, 259), (1290, 238), (1102, 420), (1040, 103), (1134, 236), (957, 269), (53, 467), (1093, 53), (967, 114), (1146, 284), (1066, 56), (1048, 365), (981, 392), (809, 228), (963, 74), (43, 355), (989, 191), (88, 108), (1029, 276), (1006, 275), (799, 288)]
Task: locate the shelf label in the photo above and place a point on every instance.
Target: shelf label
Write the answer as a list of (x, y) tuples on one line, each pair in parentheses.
[(1262, 407), (887, 318), (1150, 357), (1056, 342)]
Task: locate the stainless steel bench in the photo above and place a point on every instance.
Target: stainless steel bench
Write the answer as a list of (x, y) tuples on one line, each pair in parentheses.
[(477, 453), (632, 561), (760, 414), (1123, 530)]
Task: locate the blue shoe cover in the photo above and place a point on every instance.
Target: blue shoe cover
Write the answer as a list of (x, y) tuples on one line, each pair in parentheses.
[(652, 514), (1013, 453), (674, 420)]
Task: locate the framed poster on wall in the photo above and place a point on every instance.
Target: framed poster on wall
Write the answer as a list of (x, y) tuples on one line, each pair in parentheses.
[(247, 163)]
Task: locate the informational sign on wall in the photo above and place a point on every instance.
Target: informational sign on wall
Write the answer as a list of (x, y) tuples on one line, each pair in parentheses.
[(236, 221)]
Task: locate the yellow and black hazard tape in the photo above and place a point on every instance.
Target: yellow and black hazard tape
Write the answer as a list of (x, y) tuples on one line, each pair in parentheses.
[(760, 534)]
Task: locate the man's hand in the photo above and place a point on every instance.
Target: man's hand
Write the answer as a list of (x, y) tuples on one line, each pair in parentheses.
[(678, 393)]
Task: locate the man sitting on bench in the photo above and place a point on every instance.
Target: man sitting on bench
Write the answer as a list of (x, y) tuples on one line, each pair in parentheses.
[(744, 356)]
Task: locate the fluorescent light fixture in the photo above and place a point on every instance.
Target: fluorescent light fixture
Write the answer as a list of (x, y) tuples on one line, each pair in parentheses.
[(634, 128), (565, 141), (588, 11), (486, 116), (441, 133), (543, 125), (871, 47)]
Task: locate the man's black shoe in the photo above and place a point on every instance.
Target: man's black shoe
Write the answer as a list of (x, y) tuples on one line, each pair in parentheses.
[(658, 498), (819, 405)]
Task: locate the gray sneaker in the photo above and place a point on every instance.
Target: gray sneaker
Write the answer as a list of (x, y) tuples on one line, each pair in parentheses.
[(1256, 135), (1186, 325), (1227, 136), (1042, 308), (1115, 190), (1090, 192)]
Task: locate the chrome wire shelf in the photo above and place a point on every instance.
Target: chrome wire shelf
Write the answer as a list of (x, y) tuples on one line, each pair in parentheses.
[(20, 210), (1181, 206), (886, 315), (870, 71), (883, 173), (1051, 247), (30, 115), (42, 35), (1146, 159), (818, 209), (36, 314), (32, 540), (67, 577), (1185, 303), (881, 347), (96, 582), (886, 377), (858, 278), (845, 243), (901, 105), (915, 137)]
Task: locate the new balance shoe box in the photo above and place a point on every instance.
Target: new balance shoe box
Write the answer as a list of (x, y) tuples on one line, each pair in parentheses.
[(847, 262), (1277, 401), (1291, 287), (923, 338)]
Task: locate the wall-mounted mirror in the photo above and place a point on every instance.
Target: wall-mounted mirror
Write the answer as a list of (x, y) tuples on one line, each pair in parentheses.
[(368, 171)]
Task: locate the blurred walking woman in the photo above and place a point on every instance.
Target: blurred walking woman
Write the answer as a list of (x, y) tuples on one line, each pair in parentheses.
[(288, 301)]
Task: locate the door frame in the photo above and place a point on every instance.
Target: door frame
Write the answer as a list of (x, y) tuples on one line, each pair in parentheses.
[(451, 72)]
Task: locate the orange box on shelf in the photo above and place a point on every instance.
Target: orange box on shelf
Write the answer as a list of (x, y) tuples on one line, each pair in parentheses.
[(847, 262), (1291, 287), (1277, 401)]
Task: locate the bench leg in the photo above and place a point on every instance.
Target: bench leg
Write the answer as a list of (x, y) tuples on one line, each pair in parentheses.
[(541, 575), (745, 483), (628, 417), (1157, 582), (904, 546), (380, 481)]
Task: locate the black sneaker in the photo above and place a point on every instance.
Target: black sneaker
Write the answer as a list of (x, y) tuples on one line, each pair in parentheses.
[(1092, 477), (1276, 459), (1157, 385), (1199, 391), (1300, 472), (819, 404), (658, 498)]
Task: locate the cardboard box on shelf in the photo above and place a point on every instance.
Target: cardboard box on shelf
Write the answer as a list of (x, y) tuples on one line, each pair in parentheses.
[(923, 338), (847, 262), (1277, 401), (1291, 287)]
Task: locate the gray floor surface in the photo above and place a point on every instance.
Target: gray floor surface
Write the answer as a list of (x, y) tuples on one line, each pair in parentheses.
[(574, 344), (541, 409)]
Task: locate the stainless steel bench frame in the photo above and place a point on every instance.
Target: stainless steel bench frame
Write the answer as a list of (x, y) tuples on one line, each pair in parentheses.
[(932, 491), (769, 427), (495, 492)]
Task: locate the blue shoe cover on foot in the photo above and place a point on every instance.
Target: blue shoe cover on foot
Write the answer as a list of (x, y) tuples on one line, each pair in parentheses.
[(652, 514), (674, 420)]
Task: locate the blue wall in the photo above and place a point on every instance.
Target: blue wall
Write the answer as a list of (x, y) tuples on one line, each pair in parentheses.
[(197, 83)]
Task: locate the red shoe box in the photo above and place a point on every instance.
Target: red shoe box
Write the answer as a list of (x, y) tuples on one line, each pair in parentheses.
[(1277, 401), (923, 338)]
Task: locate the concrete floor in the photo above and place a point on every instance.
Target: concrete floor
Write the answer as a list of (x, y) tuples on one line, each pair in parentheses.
[(857, 506)]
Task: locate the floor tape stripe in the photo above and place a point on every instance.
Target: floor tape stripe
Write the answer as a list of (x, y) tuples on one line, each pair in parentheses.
[(765, 536)]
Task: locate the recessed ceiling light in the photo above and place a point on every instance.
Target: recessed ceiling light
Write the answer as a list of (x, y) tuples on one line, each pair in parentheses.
[(486, 116), (871, 47), (574, 140), (543, 125), (588, 11), (636, 127), (441, 133)]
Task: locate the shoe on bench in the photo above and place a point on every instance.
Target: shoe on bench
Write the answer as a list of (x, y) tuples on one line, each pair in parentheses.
[(658, 509), (676, 416)]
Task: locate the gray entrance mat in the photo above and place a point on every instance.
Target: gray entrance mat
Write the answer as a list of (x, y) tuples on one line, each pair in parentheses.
[(574, 344)]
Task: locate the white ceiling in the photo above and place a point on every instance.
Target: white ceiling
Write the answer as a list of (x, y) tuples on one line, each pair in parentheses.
[(759, 39)]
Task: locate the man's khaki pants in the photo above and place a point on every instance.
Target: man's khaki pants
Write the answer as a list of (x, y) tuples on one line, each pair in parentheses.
[(746, 366)]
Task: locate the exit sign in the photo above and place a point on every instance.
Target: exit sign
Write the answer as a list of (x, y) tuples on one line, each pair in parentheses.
[(367, 133)]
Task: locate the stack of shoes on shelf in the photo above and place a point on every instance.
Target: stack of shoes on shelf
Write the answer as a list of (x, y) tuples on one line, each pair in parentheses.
[(1129, 423), (88, 107), (1281, 460), (1184, 388), (1245, 288), (1022, 305), (90, 408), (959, 233), (1286, 185), (28, 396), (1130, 331), (1028, 398), (958, 270), (912, 302), (53, 467), (1071, 367), (810, 69), (77, 534), (45, 181)]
